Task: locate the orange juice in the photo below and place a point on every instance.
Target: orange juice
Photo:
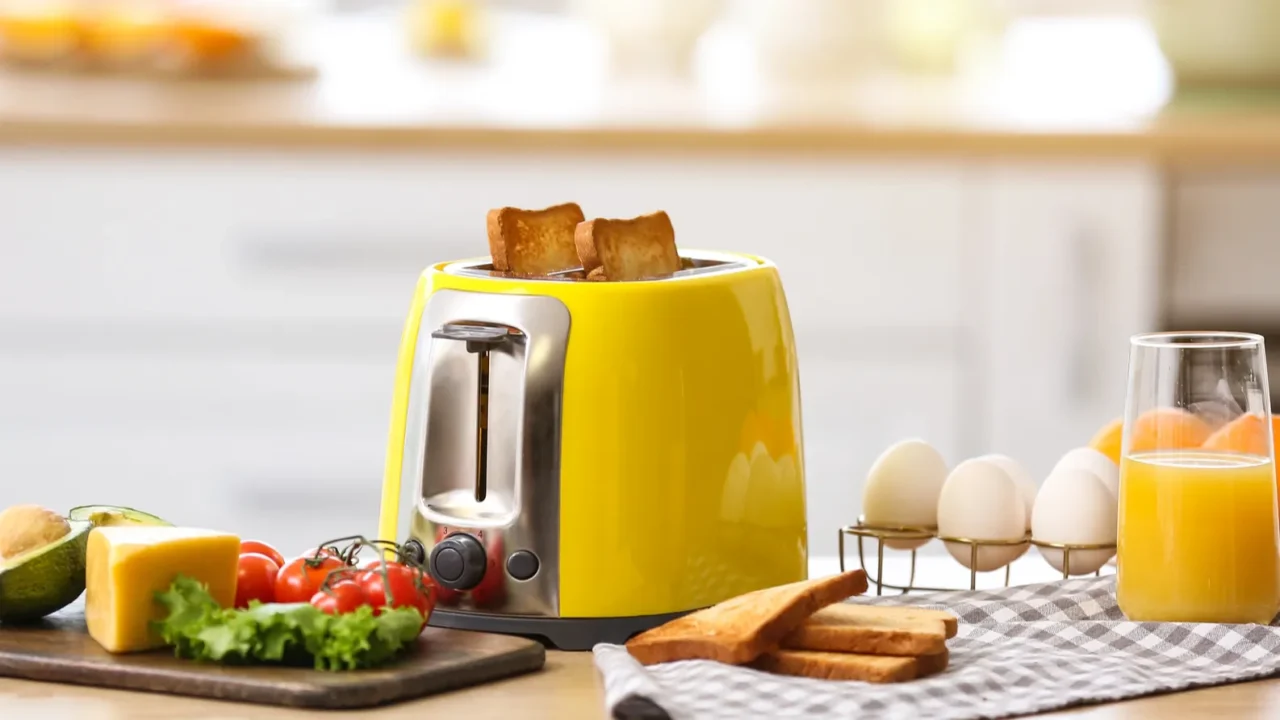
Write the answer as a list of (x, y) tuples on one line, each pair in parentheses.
[(44, 37), (1198, 538)]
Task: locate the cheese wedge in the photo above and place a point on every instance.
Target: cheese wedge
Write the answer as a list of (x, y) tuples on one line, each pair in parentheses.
[(126, 566)]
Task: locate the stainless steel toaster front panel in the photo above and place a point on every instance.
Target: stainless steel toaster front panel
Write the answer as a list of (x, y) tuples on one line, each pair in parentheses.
[(448, 477), (522, 509)]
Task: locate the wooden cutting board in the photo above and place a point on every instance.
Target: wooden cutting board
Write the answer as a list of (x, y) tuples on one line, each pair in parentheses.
[(59, 649)]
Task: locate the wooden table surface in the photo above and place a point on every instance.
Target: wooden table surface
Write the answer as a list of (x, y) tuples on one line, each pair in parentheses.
[(545, 86), (568, 687)]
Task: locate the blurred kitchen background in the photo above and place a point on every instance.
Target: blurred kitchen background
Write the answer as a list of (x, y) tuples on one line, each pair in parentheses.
[(212, 215)]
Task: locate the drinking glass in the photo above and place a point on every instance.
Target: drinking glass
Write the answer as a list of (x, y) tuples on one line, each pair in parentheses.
[(1197, 508)]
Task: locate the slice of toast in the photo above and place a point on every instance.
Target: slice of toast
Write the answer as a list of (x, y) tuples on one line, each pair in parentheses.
[(743, 628), (950, 623), (533, 242), (870, 629), (850, 666), (633, 249)]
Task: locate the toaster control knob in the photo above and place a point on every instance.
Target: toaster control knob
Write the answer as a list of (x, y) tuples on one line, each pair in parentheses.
[(458, 562)]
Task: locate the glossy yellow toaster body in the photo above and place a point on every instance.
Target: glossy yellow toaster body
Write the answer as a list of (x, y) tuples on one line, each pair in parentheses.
[(680, 467)]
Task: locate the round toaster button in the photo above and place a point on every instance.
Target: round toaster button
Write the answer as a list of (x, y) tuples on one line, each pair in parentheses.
[(522, 565), (448, 564), (414, 552)]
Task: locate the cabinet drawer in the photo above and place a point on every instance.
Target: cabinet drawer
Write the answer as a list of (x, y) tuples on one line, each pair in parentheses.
[(1224, 254), (159, 235), (288, 486), (193, 394), (858, 244), (864, 247), (154, 235), (287, 450)]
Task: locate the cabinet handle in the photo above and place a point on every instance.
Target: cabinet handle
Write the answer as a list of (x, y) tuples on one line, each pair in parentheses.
[(334, 493), (1083, 312), (347, 255)]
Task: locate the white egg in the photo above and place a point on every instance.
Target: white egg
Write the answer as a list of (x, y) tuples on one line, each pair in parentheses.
[(1086, 458), (902, 489), (1026, 486), (979, 501), (1075, 507)]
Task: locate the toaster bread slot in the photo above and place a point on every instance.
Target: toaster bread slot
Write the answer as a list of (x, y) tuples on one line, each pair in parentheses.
[(480, 340), (692, 263), (476, 390)]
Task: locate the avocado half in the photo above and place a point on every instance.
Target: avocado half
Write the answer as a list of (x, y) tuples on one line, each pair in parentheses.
[(112, 516), (45, 580)]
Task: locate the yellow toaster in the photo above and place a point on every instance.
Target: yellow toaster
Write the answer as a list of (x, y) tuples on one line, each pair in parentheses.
[(581, 461)]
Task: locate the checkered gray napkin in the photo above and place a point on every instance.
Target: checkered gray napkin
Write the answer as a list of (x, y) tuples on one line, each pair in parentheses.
[(1019, 651)]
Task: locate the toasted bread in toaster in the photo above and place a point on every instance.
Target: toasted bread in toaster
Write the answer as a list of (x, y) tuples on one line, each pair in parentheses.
[(743, 628), (633, 249), (849, 666), (848, 628), (533, 242)]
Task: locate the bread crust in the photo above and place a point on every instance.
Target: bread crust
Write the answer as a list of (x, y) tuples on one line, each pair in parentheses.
[(533, 243), (849, 666), (584, 243), (741, 629), (927, 665), (869, 629)]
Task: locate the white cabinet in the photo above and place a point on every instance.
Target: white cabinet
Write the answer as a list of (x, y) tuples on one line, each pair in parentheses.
[(1224, 254), (212, 335), (284, 448), (1066, 268)]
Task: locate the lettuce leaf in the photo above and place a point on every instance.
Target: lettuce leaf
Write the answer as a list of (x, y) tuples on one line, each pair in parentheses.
[(281, 633)]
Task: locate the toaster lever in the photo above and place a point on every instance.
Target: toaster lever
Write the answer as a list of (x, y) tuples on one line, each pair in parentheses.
[(480, 339)]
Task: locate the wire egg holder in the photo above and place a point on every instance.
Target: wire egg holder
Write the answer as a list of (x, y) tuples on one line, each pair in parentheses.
[(881, 533)]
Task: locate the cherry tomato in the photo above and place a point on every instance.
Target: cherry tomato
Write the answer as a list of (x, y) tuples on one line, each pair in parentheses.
[(301, 577), (255, 579), (374, 568), (370, 570), (343, 597), (408, 586), (256, 546)]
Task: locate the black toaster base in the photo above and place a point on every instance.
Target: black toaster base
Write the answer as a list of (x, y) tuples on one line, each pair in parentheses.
[(558, 633)]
